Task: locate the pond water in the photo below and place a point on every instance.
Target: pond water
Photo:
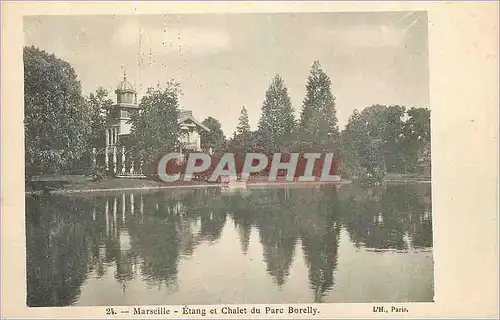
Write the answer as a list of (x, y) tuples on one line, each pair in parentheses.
[(216, 246)]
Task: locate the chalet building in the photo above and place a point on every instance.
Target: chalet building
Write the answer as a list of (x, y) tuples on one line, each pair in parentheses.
[(118, 128), (190, 138)]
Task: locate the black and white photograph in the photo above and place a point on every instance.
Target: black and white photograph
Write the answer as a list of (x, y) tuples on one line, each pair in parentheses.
[(105, 95)]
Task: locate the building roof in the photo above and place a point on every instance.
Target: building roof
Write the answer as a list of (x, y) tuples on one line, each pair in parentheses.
[(188, 115), (125, 85)]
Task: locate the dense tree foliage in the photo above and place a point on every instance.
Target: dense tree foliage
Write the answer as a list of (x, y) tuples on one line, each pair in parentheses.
[(98, 104), (155, 129), (361, 156), (277, 121), (243, 127), (385, 129), (378, 141), (214, 139), (56, 121), (318, 119), (416, 140), (242, 137)]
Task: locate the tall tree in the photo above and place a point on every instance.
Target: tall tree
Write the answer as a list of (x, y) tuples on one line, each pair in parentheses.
[(277, 122), (417, 138), (361, 153), (242, 137), (243, 127), (97, 104), (56, 122), (318, 119), (424, 159), (385, 125), (155, 129), (214, 139)]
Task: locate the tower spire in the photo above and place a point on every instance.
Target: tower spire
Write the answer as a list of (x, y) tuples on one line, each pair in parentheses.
[(124, 73)]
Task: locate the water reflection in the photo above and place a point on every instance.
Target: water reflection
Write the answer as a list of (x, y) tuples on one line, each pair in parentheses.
[(145, 236)]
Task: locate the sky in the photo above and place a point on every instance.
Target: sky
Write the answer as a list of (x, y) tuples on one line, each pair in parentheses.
[(226, 61)]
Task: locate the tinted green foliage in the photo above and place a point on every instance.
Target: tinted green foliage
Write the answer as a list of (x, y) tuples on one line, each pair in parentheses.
[(277, 121), (361, 153), (98, 104), (242, 137), (57, 123), (155, 129), (416, 141), (378, 141), (318, 119), (214, 139)]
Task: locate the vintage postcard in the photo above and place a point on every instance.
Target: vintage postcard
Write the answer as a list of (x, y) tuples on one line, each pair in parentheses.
[(249, 160)]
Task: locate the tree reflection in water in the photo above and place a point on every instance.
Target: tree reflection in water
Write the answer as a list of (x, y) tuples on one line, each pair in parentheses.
[(146, 235)]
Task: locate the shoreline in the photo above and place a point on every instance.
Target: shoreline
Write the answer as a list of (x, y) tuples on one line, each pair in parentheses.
[(407, 181), (180, 186), (120, 185)]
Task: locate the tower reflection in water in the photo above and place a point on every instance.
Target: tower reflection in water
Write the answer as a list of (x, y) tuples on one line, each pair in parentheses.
[(144, 236)]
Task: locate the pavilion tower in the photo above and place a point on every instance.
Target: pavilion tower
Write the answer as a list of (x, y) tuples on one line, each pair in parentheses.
[(118, 126)]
